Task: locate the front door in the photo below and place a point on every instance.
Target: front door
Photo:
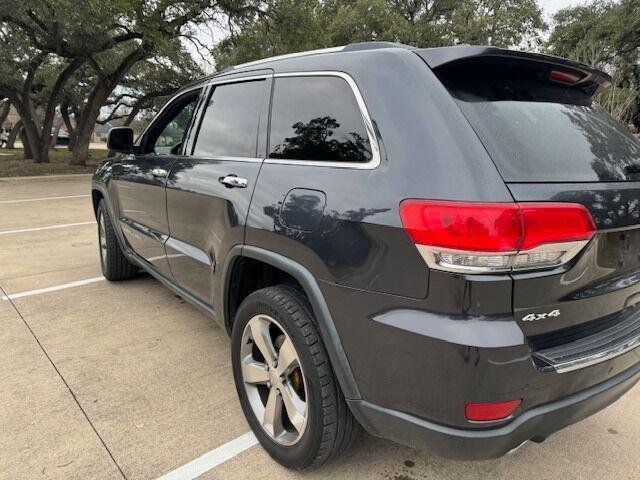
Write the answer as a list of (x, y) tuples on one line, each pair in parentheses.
[(208, 193), (141, 178)]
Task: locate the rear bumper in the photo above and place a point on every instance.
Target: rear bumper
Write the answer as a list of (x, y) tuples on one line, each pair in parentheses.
[(534, 424)]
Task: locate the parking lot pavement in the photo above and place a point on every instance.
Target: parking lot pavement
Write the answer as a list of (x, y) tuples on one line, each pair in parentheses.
[(28, 188), (43, 433), (105, 380)]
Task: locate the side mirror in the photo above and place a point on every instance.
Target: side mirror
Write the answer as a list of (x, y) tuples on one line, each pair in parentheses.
[(120, 139)]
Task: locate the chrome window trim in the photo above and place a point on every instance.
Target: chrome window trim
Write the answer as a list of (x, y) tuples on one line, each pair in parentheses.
[(373, 141), (225, 158), (237, 79)]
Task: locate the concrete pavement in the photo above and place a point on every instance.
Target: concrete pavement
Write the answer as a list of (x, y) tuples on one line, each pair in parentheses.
[(113, 380)]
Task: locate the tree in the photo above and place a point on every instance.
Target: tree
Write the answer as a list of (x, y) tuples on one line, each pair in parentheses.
[(146, 86), (13, 134), (42, 44), (606, 35), (284, 26), (273, 28), (54, 40), (5, 107)]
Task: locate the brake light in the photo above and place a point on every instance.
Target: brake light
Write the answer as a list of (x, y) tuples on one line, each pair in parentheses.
[(564, 77), (492, 411), (474, 237)]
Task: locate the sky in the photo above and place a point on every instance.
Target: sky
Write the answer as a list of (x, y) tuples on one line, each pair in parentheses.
[(549, 7)]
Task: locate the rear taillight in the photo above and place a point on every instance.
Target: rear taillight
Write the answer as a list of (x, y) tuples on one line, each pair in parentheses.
[(471, 237), (492, 411)]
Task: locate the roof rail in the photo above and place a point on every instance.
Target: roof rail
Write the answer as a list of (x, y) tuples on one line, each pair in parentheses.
[(284, 57), (352, 47)]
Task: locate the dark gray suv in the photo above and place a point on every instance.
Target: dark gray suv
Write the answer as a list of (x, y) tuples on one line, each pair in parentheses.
[(439, 245)]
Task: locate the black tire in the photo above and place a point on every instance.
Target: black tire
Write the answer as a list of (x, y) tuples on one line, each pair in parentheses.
[(331, 428), (115, 265)]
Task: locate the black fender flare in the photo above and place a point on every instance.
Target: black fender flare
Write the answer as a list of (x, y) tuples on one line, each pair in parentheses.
[(337, 355), (114, 218)]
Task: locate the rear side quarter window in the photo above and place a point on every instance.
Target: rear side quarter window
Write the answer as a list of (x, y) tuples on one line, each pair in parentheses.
[(317, 118)]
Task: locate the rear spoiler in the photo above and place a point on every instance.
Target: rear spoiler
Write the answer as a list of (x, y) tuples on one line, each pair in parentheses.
[(439, 57)]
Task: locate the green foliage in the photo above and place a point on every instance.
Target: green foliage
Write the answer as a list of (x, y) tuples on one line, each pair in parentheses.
[(285, 26), (607, 35), (146, 86), (72, 54)]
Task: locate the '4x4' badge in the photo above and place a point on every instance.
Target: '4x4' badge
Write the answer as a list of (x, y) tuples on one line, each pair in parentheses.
[(533, 317)]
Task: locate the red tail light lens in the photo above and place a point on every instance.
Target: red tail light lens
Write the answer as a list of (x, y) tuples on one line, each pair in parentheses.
[(487, 412), (555, 222), (486, 227), (480, 237)]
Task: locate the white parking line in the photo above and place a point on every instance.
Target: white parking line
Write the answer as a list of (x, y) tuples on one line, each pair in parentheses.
[(55, 288), (3, 202), (212, 459), (49, 227)]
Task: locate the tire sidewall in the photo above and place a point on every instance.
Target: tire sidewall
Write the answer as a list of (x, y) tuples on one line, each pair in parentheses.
[(301, 454), (104, 262)]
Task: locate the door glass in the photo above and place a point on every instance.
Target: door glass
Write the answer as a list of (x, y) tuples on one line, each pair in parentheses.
[(317, 118), (230, 123), (171, 138)]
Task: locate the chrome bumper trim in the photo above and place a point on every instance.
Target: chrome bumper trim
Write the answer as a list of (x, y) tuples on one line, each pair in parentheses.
[(594, 349)]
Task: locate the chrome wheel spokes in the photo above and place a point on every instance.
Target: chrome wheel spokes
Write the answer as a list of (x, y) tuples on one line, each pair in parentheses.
[(274, 380)]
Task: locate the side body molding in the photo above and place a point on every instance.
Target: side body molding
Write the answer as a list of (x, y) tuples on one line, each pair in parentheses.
[(324, 321)]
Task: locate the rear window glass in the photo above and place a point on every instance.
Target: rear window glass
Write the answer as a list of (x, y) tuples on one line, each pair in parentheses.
[(317, 118), (537, 131)]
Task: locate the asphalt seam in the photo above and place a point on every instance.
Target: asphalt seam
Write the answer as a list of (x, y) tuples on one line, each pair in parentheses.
[(73, 395)]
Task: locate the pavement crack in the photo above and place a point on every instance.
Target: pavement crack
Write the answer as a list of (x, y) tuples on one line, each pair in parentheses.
[(73, 395)]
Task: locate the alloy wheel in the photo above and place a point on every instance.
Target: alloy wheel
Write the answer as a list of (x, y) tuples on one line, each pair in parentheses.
[(274, 380)]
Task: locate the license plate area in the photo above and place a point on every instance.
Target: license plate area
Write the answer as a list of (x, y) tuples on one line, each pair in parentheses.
[(620, 250)]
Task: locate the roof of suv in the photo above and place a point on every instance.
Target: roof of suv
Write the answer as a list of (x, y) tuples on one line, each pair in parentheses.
[(434, 57)]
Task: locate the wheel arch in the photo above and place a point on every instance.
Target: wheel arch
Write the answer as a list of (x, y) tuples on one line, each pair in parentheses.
[(96, 195), (309, 285)]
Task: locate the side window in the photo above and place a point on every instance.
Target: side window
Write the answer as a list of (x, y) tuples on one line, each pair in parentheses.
[(317, 118), (230, 124), (169, 135)]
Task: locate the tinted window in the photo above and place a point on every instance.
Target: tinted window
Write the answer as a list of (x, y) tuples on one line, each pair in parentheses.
[(171, 130), (317, 118), (539, 131), (230, 124), (540, 142)]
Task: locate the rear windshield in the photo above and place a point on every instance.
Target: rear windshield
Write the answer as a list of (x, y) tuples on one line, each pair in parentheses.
[(539, 131)]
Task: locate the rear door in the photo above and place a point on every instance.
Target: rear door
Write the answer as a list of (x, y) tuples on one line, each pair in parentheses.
[(551, 142), (140, 180), (208, 192)]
